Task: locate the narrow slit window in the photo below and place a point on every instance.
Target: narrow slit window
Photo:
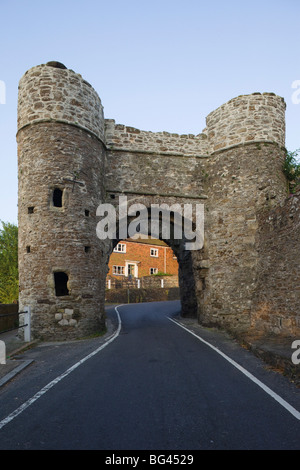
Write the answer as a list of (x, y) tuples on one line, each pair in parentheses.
[(28, 249), (57, 197), (87, 213), (61, 284), (30, 210)]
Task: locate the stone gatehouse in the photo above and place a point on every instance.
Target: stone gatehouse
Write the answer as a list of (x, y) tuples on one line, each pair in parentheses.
[(71, 159)]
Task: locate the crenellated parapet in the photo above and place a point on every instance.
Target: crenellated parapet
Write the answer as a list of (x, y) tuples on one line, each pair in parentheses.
[(126, 138)]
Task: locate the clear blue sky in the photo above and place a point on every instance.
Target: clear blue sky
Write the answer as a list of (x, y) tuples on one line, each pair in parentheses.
[(156, 65)]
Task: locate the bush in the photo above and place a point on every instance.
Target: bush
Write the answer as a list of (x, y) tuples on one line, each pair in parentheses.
[(291, 169), (9, 276)]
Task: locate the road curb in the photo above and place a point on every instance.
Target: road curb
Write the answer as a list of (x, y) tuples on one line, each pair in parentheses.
[(22, 364), (10, 375)]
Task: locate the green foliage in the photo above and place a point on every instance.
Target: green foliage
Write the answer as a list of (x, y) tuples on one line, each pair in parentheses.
[(291, 169), (160, 273), (9, 276)]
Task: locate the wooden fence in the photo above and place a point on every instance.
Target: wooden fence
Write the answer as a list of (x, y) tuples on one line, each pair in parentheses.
[(9, 316)]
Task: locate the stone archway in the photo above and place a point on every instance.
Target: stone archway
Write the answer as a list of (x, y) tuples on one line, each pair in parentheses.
[(176, 240), (71, 159)]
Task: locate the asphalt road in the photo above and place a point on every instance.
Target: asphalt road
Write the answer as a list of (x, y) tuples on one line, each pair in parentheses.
[(153, 386)]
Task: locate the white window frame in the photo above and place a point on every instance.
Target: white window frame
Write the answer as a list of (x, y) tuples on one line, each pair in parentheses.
[(154, 252), (119, 268), (154, 271), (120, 248)]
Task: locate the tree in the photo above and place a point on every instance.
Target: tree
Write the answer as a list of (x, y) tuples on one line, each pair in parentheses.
[(291, 169), (9, 276)]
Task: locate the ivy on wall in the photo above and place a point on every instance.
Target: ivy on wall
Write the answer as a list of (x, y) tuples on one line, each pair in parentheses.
[(291, 169)]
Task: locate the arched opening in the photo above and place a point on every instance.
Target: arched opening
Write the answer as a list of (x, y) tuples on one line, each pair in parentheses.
[(142, 270), (176, 240)]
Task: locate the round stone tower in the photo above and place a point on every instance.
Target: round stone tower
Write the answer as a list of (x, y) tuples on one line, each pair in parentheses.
[(246, 138), (61, 164)]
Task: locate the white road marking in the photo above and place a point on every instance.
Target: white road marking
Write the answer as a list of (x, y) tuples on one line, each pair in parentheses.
[(270, 392), (51, 384)]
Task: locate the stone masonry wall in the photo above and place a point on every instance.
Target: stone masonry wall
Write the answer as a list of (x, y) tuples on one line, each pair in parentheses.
[(255, 117), (234, 168), (59, 147), (60, 239), (51, 93), (145, 282), (242, 174), (276, 306), (251, 178), (140, 162), (139, 173), (128, 138)]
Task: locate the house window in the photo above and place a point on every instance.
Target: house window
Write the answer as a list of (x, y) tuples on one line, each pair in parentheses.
[(120, 248), (154, 252), (119, 270), (61, 283), (31, 210), (153, 270), (57, 197)]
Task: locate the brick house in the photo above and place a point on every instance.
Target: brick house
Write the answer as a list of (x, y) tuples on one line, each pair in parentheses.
[(139, 258)]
